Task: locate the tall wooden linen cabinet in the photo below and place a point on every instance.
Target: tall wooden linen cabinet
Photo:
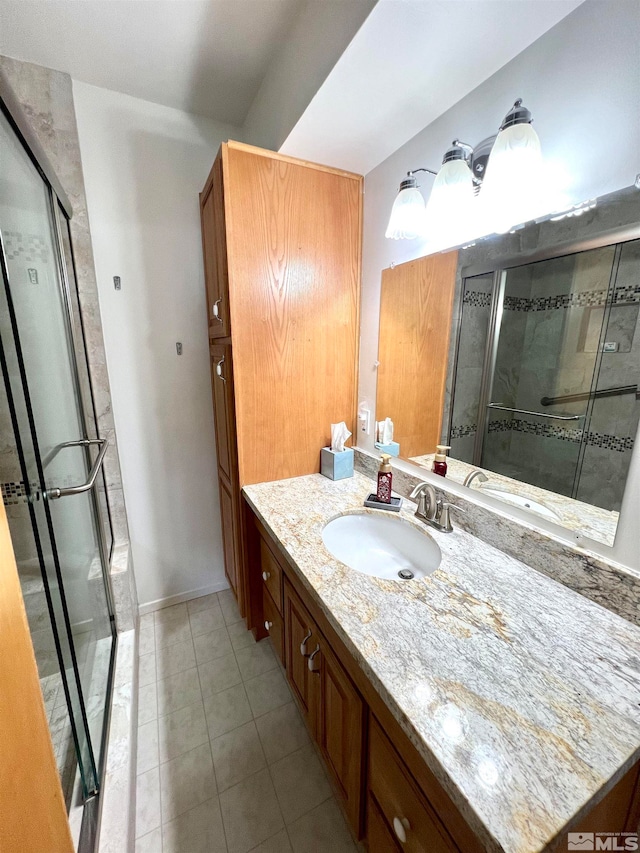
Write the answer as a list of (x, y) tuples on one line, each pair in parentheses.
[(282, 257)]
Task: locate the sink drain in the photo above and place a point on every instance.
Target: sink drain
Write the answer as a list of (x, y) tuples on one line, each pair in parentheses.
[(406, 574)]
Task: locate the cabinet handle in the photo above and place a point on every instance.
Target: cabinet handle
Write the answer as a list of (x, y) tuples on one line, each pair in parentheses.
[(266, 576), (311, 662), (219, 369), (268, 625), (215, 312), (400, 827), (303, 644)]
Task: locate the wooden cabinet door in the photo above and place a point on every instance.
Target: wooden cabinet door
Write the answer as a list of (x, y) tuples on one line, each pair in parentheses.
[(340, 730), (229, 537), (223, 408), (301, 639), (214, 249)]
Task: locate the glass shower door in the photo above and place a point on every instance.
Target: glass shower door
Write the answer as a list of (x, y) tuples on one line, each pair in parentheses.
[(53, 458), (547, 355)]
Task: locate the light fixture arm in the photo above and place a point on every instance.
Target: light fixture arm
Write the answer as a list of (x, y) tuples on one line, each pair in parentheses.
[(410, 181)]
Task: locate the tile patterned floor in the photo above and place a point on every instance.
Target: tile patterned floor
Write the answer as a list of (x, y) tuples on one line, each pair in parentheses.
[(225, 764)]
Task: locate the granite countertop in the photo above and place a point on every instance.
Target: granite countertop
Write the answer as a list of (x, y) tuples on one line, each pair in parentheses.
[(590, 520), (521, 695)]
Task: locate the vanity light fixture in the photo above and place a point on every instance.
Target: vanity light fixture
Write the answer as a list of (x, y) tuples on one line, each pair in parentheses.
[(504, 171), (512, 190), (407, 214)]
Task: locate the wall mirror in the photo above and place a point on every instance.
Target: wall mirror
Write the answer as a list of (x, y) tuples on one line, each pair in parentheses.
[(522, 353)]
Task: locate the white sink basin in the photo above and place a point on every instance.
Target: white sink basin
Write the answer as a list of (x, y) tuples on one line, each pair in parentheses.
[(381, 546), (523, 501)]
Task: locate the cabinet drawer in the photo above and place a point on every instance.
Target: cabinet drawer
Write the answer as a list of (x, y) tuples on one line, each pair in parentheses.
[(404, 810), (379, 838), (271, 574), (273, 623)]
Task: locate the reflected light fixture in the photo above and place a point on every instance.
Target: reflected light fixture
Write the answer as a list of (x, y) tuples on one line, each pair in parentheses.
[(503, 171), (512, 190), (407, 214), (449, 211)]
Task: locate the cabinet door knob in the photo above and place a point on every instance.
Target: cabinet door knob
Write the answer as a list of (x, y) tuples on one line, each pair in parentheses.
[(311, 662), (268, 625), (303, 644), (219, 369), (266, 576), (400, 827), (215, 311)]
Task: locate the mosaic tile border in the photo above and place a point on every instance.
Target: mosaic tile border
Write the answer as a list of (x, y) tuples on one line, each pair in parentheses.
[(623, 295), (477, 299), (463, 430), (620, 444), (16, 493)]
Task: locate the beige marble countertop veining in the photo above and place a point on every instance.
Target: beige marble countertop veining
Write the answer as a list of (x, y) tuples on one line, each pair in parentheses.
[(522, 696)]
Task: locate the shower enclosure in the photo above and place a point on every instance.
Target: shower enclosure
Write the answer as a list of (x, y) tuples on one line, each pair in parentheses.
[(547, 372), (51, 459)]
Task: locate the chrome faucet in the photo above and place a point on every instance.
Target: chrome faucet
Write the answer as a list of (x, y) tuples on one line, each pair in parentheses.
[(432, 509), (471, 476)]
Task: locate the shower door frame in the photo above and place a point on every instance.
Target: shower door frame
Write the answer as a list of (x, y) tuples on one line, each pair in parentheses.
[(498, 267), (59, 205)]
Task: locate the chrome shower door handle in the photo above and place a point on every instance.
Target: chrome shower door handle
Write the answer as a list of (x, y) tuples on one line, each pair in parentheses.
[(54, 494), (537, 414), (219, 369), (215, 311)]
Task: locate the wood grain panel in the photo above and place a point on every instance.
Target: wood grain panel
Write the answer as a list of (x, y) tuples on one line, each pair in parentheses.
[(379, 837), (340, 733), (223, 406), (416, 307), (395, 793), (214, 251), (32, 810), (293, 238), (229, 539)]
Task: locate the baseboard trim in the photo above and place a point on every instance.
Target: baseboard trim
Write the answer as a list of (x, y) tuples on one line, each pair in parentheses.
[(161, 603)]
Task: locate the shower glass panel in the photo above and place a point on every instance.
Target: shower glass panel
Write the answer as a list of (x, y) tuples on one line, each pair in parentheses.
[(614, 409), (49, 446), (548, 351)]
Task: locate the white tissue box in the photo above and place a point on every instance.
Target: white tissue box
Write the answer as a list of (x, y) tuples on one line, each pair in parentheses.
[(336, 465)]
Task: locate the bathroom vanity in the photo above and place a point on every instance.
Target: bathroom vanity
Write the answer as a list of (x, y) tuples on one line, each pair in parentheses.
[(482, 708)]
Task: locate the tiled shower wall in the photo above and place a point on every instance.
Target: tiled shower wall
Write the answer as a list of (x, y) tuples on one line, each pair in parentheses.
[(47, 100), (553, 313)]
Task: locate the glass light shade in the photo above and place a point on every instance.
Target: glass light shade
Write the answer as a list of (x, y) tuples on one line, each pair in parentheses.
[(449, 212), (513, 187), (407, 215)]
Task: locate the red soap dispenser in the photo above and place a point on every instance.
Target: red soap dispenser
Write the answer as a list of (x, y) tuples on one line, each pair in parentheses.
[(440, 460), (383, 494)]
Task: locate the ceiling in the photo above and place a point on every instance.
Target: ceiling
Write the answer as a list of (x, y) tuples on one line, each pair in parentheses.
[(410, 62), (203, 56)]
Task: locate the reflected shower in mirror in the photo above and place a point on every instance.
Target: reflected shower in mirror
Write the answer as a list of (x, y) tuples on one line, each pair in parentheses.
[(541, 386)]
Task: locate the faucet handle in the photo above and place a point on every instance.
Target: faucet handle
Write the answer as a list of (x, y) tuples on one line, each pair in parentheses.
[(445, 520)]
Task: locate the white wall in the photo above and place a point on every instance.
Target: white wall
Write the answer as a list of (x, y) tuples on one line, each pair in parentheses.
[(318, 36), (580, 80), (144, 165)]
